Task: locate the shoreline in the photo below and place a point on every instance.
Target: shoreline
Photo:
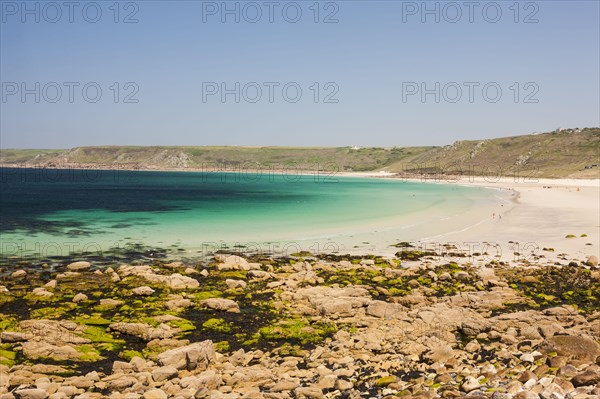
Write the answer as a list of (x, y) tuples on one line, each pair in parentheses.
[(541, 212), (434, 178)]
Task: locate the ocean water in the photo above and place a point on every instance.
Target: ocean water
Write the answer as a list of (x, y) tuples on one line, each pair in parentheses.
[(45, 211)]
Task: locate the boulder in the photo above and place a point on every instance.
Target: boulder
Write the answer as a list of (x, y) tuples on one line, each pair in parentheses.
[(208, 379), (592, 261), (12, 336), (41, 350), (143, 291), (145, 331), (195, 356), (221, 304), (51, 284), (440, 354), (175, 281), (526, 395), (77, 266), (340, 301), (179, 282), (335, 306), (109, 302), (18, 274), (164, 373), (386, 310), (175, 304), (232, 284), (155, 394), (470, 384), (259, 274), (119, 382), (461, 276), (4, 379), (31, 393), (80, 298), (39, 291), (575, 347), (174, 265), (588, 377), (232, 262), (309, 393), (54, 332), (284, 385)]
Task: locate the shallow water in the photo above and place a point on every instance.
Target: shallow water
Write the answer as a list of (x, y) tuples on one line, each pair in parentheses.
[(68, 211)]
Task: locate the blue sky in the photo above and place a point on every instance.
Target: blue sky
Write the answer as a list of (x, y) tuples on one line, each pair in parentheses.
[(370, 68)]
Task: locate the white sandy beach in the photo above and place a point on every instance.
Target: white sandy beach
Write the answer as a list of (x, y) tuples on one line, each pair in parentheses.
[(540, 215), (543, 214)]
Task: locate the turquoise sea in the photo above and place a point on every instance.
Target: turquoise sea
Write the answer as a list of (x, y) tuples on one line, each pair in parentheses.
[(54, 211)]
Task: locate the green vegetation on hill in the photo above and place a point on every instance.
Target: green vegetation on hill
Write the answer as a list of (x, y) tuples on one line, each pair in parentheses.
[(564, 153)]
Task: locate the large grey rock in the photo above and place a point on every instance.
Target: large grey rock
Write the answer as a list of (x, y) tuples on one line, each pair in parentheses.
[(42, 350), (470, 384), (234, 262), (221, 304), (338, 301), (155, 394), (386, 310), (440, 354), (12, 336), (143, 291), (179, 282), (197, 355), (31, 393), (589, 377), (164, 373), (232, 284), (40, 291), (77, 266), (18, 274), (119, 382), (337, 306), (576, 347), (177, 304), (54, 332), (145, 331), (175, 281), (80, 297)]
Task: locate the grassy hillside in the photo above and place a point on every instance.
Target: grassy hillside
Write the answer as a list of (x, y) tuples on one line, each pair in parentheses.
[(326, 158), (556, 154), (28, 156), (564, 153)]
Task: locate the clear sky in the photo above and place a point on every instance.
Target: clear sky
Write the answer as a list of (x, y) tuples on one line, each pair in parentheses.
[(371, 73)]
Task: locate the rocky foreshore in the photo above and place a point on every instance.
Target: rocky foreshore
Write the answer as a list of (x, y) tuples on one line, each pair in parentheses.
[(303, 326)]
